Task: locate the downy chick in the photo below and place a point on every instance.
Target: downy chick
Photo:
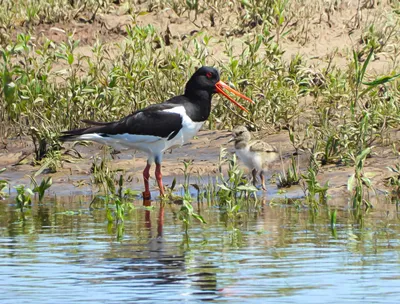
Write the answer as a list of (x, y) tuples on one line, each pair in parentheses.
[(256, 155)]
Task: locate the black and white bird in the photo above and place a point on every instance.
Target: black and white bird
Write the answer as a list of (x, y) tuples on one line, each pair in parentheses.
[(256, 155), (160, 127)]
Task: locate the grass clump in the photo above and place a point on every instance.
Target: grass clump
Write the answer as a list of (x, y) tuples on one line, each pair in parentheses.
[(111, 185), (359, 184), (235, 192), (289, 177)]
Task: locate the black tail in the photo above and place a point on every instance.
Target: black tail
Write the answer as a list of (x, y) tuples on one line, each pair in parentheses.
[(96, 123), (72, 135), (97, 127)]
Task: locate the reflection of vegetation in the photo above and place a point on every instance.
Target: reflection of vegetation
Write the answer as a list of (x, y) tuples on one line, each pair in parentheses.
[(276, 227), (235, 237), (263, 239)]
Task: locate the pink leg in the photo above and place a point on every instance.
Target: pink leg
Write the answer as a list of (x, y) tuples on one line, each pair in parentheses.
[(146, 176), (159, 179)]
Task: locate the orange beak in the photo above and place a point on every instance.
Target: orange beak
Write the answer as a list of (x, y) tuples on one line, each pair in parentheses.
[(219, 86)]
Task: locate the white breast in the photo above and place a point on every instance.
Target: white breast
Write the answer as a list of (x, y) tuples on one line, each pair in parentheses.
[(250, 159), (189, 127)]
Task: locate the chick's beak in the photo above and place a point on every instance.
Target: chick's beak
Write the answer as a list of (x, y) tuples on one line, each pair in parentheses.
[(219, 86)]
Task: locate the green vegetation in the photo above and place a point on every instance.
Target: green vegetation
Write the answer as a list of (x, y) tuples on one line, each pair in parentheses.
[(41, 188), (394, 181), (186, 212), (235, 192), (24, 197), (359, 183), (50, 86), (315, 194), (111, 189), (333, 111), (3, 185), (289, 177)]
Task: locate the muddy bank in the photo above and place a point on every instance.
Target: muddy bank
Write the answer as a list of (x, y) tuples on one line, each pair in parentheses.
[(74, 178)]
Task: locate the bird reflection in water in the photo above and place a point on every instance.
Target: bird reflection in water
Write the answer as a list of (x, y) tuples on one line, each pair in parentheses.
[(162, 262), (147, 218)]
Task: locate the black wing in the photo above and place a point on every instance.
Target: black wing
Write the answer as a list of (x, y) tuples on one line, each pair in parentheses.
[(153, 120)]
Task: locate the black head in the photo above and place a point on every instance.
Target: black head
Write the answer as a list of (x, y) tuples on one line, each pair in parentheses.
[(205, 82), (204, 79)]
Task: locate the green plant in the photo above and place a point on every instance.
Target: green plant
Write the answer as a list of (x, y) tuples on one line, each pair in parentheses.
[(333, 215), (358, 183), (290, 177), (186, 175), (35, 12), (45, 141), (359, 73), (206, 189), (312, 188), (234, 189), (256, 12), (297, 203), (3, 184), (51, 162), (394, 181), (103, 176), (111, 185), (24, 197), (41, 188), (186, 212), (279, 7)]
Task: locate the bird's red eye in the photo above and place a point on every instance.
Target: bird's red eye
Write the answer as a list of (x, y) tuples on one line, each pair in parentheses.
[(209, 75)]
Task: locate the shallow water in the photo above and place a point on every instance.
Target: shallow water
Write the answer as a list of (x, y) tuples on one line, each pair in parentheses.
[(62, 252)]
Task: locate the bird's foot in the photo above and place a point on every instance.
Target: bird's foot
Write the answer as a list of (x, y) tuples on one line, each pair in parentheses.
[(146, 195)]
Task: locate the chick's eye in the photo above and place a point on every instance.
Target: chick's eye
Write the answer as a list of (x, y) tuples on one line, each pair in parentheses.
[(209, 75)]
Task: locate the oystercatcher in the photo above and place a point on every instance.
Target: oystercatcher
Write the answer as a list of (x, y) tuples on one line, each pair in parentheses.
[(160, 126), (256, 155)]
